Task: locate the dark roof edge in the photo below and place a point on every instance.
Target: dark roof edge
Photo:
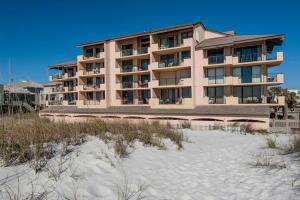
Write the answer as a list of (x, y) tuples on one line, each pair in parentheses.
[(242, 41), (66, 64), (141, 33)]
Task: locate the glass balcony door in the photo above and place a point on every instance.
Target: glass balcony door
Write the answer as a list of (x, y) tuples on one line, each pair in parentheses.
[(127, 97), (215, 76), (215, 95), (248, 94), (127, 50), (248, 74), (249, 54), (168, 96)]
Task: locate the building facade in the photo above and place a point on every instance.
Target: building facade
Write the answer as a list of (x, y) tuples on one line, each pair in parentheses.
[(182, 69)]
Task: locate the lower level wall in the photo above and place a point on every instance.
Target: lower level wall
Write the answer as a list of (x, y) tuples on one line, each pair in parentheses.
[(196, 122)]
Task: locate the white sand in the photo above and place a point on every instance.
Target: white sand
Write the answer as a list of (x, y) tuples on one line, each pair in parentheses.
[(213, 165)]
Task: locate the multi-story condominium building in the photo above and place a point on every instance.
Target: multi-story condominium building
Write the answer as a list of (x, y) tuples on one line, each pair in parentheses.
[(185, 72)]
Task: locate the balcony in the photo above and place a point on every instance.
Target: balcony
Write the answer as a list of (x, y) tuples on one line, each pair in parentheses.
[(55, 103), (143, 50), (89, 56), (216, 59), (172, 47), (125, 85), (91, 59), (58, 89), (174, 82), (91, 103), (93, 71), (56, 77), (258, 59), (70, 89), (177, 103), (91, 87), (140, 52), (171, 65)]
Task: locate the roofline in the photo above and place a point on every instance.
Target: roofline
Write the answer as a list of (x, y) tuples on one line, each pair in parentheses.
[(171, 28), (242, 41), (67, 64)]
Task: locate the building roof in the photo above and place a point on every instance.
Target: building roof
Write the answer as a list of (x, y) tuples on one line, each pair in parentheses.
[(171, 28), (226, 110), (16, 90), (235, 39), (62, 65), (26, 84)]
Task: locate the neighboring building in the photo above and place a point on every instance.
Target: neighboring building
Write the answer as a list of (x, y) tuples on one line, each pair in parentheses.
[(1, 94), (297, 92), (181, 72), (24, 95)]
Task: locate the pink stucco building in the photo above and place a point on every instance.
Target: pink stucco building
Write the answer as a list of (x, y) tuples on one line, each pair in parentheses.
[(184, 72)]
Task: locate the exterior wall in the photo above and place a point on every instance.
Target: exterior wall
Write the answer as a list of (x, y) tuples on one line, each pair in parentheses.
[(197, 122)]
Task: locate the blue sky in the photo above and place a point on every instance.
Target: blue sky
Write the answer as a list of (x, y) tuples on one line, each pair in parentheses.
[(37, 33)]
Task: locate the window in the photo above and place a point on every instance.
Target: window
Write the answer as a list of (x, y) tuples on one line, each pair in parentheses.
[(186, 92), (167, 96), (215, 56), (185, 55), (215, 76), (248, 74), (168, 60), (249, 54), (215, 95), (248, 94), (127, 50), (168, 42), (89, 52), (127, 65), (89, 95), (99, 80), (99, 65), (89, 81), (185, 35), (144, 64), (127, 81), (100, 95), (89, 67)]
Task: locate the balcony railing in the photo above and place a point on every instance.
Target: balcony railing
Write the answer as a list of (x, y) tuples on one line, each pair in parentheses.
[(142, 50), (92, 102), (127, 68), (57, 76), (71, 88), (168, 81), (143, 100), (55, 102), (162, 64), (170, 100), (59, 89), (127, 101), (250, 100), (216, 79), (273, 77), (92, 71), (216, 100), (127, 52), (127, 84), (71, 102), (252, 57), (216, 59), (91, 86), (168, 45)]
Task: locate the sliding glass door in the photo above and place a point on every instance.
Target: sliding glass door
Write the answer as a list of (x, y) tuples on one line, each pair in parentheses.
[(248, 94), (215, 76)]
